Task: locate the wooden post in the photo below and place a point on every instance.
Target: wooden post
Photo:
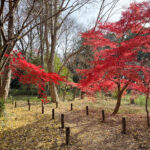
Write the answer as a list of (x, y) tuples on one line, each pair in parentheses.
[(29, 106), (82, 94), (28, 101), (62, 120), (103, 116), (87, 110), (53, 113), (15, 104), (56, 104), (42, 108), (131, 100), (71, 106), (123, 125), (67, 135)]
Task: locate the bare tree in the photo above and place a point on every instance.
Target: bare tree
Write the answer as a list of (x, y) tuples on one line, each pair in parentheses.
[(55, 24), (26, 13), (29, 14), (106, 8)]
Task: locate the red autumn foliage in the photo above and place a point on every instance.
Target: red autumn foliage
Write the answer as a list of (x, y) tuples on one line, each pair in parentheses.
[(32, 74), (116, 46)]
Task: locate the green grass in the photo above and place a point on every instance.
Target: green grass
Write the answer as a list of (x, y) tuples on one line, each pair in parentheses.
[(140, 100), (33, 98), (2, 107), (23, 98)]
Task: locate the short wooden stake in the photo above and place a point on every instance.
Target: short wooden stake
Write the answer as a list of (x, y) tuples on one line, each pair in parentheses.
[(28, 101), (42, 108), (87, 110), (15, 104), (62, 120), (29, 106), (56, 104), (71, 106), (123, 125), (53, 113), (103, 116), (67, 135)]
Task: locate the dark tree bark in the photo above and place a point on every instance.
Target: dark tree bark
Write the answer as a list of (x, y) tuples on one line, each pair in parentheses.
[(117, 104), (120, 92), (146, 108)]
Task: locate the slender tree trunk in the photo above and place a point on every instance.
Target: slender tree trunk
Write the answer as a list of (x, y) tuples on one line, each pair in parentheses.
[(7, 83), (52, 86), (146, 108), (5, 80), (41, 38), (118, 100), (50, 63), (117, 104), (41, 32), (53, 92), (120, 92), (74, 93), (1, 88), (82, 95), (6, 77)]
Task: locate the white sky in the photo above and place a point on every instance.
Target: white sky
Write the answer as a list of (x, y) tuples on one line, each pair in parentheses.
[(87, 16)]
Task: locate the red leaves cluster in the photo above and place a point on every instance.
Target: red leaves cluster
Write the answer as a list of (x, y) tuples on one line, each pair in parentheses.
[(117, 65), (32, 74)]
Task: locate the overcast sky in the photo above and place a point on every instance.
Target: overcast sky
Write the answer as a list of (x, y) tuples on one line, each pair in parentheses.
[(87, 16)]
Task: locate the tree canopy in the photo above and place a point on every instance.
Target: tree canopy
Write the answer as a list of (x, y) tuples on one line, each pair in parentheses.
[(31, 74), (115, 63)]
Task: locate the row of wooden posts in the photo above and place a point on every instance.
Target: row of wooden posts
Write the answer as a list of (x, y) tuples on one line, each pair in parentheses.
[(68, 128)]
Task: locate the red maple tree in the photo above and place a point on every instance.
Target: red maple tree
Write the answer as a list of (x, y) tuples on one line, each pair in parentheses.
[(32, 74), (116, 46)]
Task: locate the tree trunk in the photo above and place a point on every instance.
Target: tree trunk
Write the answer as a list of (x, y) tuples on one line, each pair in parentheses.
[(82, 95), (50, 58), (120, 92), (118, 99), (51, 67), (117, 104), (5, 80), (7, 84), (6, 77), (53, 92), (132, 101), (146, 108), (74, 93), (1, 88)]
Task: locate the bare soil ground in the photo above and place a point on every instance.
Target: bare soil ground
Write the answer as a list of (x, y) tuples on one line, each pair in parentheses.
[(21, 129)]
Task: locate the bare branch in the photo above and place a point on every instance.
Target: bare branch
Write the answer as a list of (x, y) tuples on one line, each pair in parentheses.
[(2, 7), (10, 11), (69, 56)]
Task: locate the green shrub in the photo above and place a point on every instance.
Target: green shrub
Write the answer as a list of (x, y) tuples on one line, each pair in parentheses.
[(2, 107), (16, 92), (140, 100)]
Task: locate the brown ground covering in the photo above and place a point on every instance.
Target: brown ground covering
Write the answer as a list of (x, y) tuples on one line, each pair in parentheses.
[(21, 129)]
